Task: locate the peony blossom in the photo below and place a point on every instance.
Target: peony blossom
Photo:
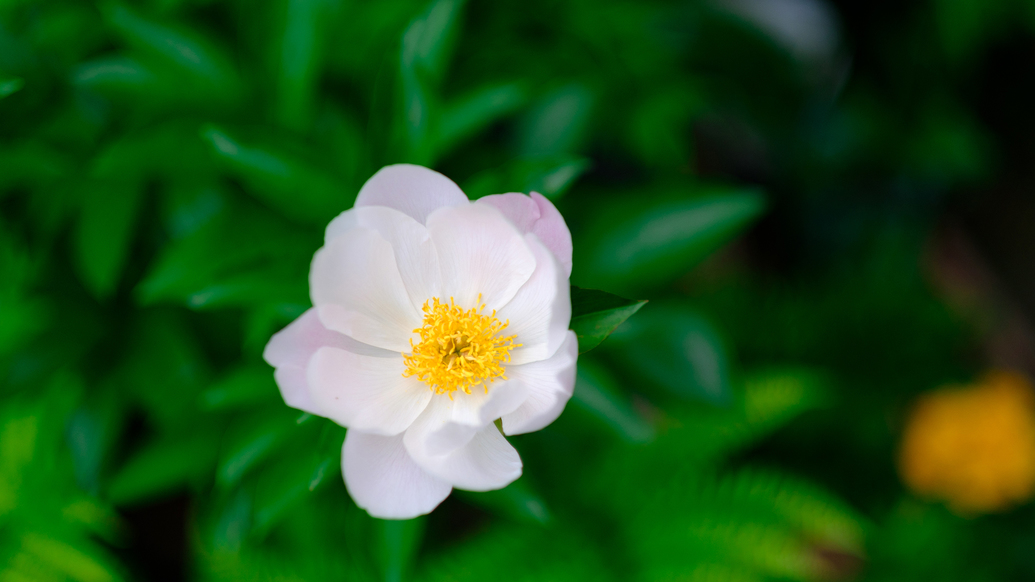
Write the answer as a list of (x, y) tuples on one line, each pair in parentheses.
[(433, 316)]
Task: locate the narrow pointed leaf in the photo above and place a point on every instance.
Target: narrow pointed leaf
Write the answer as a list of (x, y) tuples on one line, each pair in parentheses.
[(636, 247), (285, 482), (558, 123), (290, 185), (471, 113), (297, 57), (105, 232), (677, 349), (595, 314), (550, 176), (9, 86), (398, 542), (254, 439), (178, 47), (245, 386)]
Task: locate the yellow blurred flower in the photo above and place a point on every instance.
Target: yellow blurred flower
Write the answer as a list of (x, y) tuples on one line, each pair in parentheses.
[(973, 446)]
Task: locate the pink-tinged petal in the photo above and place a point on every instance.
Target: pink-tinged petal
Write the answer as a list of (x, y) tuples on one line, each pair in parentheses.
[(518, 208), (486, 462), (550, 384), (553, 231), (540, 311), (294, 389), (365, 393), (357, 290), (480, 252), (537, 215), (383, 479), (414, 190), (290, 350), (415, 254)]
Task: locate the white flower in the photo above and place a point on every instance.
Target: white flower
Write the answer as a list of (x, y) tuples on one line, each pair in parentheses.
[(433, 316)]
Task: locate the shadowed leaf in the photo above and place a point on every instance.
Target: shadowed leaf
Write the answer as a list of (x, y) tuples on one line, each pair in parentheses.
[(635, 247), (595, 392), (8, 86), (595, 314)]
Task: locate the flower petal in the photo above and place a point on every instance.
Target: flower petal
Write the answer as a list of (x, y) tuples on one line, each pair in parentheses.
[(414, 190), (540, 312), (479, 408), (450, 423), (536, 214), (549, 383), (517, 207), (414, 252), (480, 252), (383, 479), (486, 462), (290, 350), (358, 291), (364, 392)]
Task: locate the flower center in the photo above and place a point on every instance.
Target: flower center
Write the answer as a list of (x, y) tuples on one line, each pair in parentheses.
[(458, 349)]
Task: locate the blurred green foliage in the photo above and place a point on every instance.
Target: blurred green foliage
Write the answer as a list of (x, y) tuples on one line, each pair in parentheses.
[(166, 171)]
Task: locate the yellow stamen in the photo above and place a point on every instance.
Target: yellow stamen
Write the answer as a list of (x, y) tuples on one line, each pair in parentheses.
[(458, 349)]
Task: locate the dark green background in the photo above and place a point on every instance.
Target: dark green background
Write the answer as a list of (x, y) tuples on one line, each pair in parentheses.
[(824, 229)]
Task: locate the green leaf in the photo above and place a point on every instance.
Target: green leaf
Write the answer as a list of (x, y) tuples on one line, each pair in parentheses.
[(18, 447), (74, 562), (399, 541), (104, 233), (635, 247), (180, 459), (86, 441), (233, 519), (773, 397), (428, 39), (165, 367), (557, 124), (170, 151), (178, 47), (676, 348), (119, 75), (252, 439), (285, 483), (297, 59), (965, 25), (595, 314), (9, 86), (239, 256), (525, 553), (24, 313), (423, 57), (242, 387), (517, 501), (551, 176), (762, 521), (770, 399), (281, 283), (472, 113), (97, 518), (31, 163), (291, 185), (595, 392), (660, 127)]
